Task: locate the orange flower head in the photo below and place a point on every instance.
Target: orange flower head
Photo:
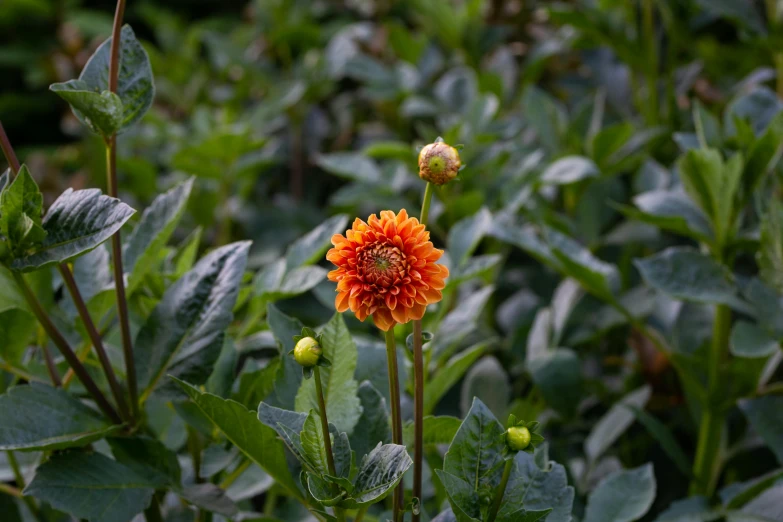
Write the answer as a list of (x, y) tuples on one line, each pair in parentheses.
[(386, 268)]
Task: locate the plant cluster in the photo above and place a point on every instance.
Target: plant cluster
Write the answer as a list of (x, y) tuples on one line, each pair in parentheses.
[(602, 258)]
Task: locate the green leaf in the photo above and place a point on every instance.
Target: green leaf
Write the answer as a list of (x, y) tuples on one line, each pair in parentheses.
[(450, 374), (288, 425), (374, 421), (684, 273), (311, 247), (476, 453), (135, 87), (764, 414), (342, 403), (748, 340), (381, 470), (211, 498), (272, 284), (242, 427), (39, 417), (100, 111), (460, 321), (183, 336), (622, 497), (149, 458), (466, 235), (569, 170), (770, 253), (21, 208), (142, 248), (558, 374), (598, 277), (313, 443), (537, 489), (464, 500), (673, 211), (77, 222), (665, 438), (289, 376), (255, 386), (350, 165), (473, 267), (91, 486), (436, 430), (546, 115), (614, 423), (488, 381)]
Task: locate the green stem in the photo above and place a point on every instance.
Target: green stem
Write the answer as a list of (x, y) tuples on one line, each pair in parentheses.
[(500, 491), (95, 338), (319, 391), (360, 514), (270, 502), (231, 478), (19, 372), (418, 382), (394, 395), (10, 490), (20, 484), (65, 349), (706, 466)]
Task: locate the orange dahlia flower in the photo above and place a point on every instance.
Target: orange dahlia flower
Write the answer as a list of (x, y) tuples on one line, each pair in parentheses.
[(386, 268)]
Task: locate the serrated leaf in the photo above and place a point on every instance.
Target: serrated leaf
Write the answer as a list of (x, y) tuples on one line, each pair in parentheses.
[(184, 334), (21, 208), (149, 458), (313, 443), (381, 470), (39, 417), (464, 500), (476, 453), (242, 427), (77, 222), (374, 421), (622, 497), (135, 86), (288, 425), (342, 403), (155, 227), (91, 486), (537, 489), (100, 111)]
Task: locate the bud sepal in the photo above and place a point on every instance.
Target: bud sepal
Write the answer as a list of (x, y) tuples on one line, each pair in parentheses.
[(308, 352), (439, 162), (521, 435)]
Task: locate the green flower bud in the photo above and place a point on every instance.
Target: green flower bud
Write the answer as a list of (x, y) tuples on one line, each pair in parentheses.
[(439, 163), (307, 352), (518, 438)]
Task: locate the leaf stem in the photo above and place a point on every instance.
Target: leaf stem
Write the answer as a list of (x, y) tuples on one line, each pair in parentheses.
[(706, 466), (65, 349), (319, 391), (234, 475), (8, 151), (10, 490), (394, 395), (493, 512), (95, 338), (119, 283), (19, 372), (116, 240), (20, 484)]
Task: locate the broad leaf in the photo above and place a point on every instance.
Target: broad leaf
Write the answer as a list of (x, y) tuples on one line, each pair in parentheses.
[(21, 208), (373, 422), (210, 498), (665, 438), (157, 223), (749, 340), (342, 404), (381, 470), (288, 425), (39, 417), (351, 165), (460, 321), (91, 486), (614, 423), (764, 414), (100, 111), (311, 247), (622, 497), (673, 211), (289, 376), (436, 430), (183, 336), (466, 235), (242, 427), (569, 170), (313, 444), (537, 489), (488, 381), (149, 458), (77, 222), (464, 499), (475, 454), (686, 274), (558, 374), (135, 87), (450, 374)]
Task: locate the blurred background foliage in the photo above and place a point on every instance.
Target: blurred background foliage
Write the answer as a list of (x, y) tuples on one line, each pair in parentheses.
[(292, 111)]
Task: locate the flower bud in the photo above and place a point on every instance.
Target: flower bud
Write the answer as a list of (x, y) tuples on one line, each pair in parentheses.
[(439, 163), (518, 438), (307, 352)]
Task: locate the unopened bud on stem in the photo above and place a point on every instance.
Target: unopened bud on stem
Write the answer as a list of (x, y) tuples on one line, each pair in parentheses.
[(439, 163)]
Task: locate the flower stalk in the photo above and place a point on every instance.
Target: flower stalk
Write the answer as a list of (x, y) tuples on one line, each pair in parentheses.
[(394, 395), (319, 391), (116, 240)]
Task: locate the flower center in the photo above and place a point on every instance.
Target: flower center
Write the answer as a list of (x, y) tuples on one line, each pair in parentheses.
[(381, 264)]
